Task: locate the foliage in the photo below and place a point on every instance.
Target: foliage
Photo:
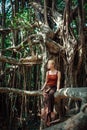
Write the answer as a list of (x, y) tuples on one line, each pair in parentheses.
[(60, 5)]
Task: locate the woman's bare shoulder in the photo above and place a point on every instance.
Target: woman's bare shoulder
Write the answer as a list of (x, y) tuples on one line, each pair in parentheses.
[(47, 72), (58, 72)]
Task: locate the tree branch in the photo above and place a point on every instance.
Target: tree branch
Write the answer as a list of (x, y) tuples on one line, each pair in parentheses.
[(37, 59), (23, 43), (9, 60), (20, 92), (74, 93), (74, 122), (54, 47)]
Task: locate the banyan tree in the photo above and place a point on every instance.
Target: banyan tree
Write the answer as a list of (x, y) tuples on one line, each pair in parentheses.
[(32, 32)]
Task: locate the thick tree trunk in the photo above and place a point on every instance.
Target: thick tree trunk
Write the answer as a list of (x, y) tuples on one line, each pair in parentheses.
[(73, 93), (77, 122)]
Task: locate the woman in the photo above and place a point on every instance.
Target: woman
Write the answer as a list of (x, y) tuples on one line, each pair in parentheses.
[(52, 83)]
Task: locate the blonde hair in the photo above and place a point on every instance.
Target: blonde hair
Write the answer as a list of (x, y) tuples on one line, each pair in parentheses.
[(51, 61)]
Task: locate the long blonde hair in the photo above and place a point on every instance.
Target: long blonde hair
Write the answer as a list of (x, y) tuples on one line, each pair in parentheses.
[(51, 61)]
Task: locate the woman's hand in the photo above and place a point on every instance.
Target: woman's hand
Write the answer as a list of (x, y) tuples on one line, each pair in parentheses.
[(58, 80), (57, 89), (42, 88)]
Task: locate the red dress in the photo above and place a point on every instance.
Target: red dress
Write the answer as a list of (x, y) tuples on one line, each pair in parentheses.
[(52, 79), (49, 97)]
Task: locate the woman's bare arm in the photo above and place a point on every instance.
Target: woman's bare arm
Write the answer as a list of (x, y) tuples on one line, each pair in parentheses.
[(45, 82), (58, 80)]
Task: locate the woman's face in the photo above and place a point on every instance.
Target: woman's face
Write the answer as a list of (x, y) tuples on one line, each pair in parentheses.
[(50, 65)]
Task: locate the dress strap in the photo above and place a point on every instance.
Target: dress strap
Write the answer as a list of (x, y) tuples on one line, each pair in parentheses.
[(48, 72), (57, 72)]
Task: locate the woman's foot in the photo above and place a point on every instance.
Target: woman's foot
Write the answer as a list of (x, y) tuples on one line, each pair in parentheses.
[(52, 115), (48, 123), (48, 119)]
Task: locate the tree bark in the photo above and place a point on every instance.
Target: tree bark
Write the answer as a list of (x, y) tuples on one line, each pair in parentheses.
[(45, 12), (77, 122), (26, 61), (3, 26), (19, 91), (73, 93)]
